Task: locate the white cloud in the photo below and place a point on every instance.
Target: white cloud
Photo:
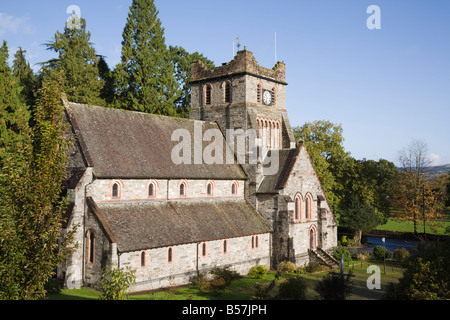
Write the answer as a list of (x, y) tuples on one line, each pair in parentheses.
[(10, 24), (436, 159)]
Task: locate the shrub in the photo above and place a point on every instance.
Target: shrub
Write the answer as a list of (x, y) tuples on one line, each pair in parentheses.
[(363, 256), (312, 267), (52, 287), (380, 252), (334, 287), (202, 283), (401, 254), (344, 241), (286, 267), (258, 271), (293, 288), (225, 273), (338, 251), (115, 284)]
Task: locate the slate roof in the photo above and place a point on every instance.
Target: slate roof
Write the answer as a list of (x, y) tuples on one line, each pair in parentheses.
[(127, 144), (146, 225), (273, 183)]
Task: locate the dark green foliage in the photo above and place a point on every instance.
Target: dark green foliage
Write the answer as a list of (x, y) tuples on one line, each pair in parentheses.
[(182, 61), (380, 253), (359, 217), (78, 62), (144, 79), (337, 254), (401, 254), (426, 276), (225, 273), (294, 288), (31, 175), (107, 92), (24, 74), (334, 287)]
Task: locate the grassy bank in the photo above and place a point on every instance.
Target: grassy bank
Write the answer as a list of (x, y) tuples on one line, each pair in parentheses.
[(246, 287)]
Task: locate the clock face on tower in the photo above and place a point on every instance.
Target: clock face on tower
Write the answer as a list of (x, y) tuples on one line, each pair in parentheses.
[(267, 97)]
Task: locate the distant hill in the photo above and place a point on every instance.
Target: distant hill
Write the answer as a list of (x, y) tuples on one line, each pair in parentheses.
[(438, 170), (435, 171)]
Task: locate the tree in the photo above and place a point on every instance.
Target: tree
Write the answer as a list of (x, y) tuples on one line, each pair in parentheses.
[(15, 149), (417, 204), (31, 206), (426, 275), (23, 72), (359, 217), (144, 79), (182, 61), (78, 61), (107, 92), (324, 142)]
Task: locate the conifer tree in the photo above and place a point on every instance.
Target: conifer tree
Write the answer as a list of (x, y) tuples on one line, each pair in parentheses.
[(78, 61), (31, 175), (182, 61), (25, 75), (107, 92), (144, 79)]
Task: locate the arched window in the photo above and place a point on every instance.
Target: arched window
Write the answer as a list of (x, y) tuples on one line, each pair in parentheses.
[(234, 188), (183, 189), (297, 208), (225, 245), (91, 246), (312, 238), (115, 191), (143, 259), (169, 255), (208, 94), (151, 190), (204, 249), (308, 207), (256, 242), (227, 92), (209, 189)]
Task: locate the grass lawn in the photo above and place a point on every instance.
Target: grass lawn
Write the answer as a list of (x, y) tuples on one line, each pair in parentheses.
[(408, 226), (245, 288)]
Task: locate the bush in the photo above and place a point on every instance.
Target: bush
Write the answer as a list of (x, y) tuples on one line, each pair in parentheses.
[(52, 287), (293, 288), (380, 252), (338, 251), (115, 284), (286, 267), (258, 272), (344, 241), (313, 267), (226, 274), (363, 256), (401, 254), (334, 287), (202, 283)]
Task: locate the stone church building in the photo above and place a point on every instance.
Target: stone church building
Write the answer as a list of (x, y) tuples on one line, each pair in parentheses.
[(170, 198)]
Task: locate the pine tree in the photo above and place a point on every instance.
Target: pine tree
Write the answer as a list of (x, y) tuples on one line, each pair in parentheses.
[(78, 61), (23, 72), (107, 92), (144, 79)]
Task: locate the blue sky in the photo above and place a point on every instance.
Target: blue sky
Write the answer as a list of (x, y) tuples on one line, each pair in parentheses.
[(385, 86)]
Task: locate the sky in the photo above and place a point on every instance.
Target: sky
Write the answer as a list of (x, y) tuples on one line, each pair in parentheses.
[(385, 86)]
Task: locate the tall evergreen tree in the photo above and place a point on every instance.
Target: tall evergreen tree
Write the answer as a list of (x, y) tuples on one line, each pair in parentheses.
[(78, 61), (107, 92), (25, 75), (144, 79), (182, 61)]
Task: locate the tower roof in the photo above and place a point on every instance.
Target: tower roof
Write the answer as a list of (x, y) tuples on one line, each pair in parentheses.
[(243, 63)]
